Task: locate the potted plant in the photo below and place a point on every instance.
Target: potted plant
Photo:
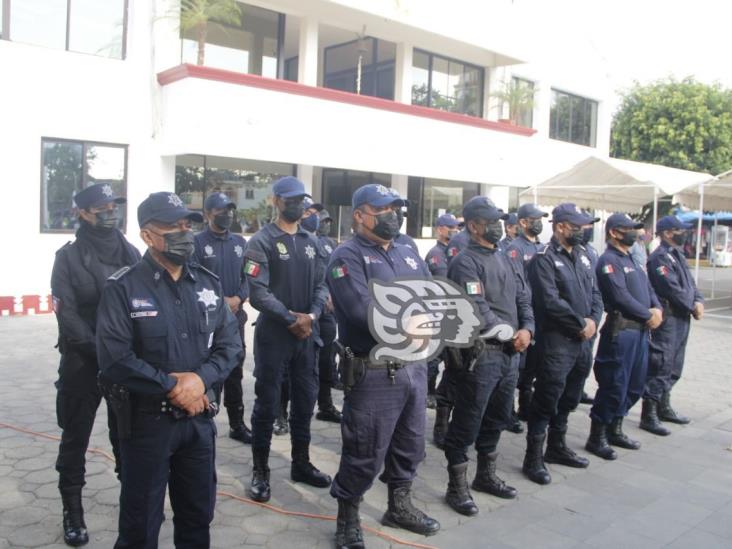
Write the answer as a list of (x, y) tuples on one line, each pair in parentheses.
[(518, 96), (195, 14)]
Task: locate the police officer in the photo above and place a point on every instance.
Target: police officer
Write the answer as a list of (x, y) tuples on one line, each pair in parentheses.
[(671, 278), (484, 394), (166, 342), (285, 270), (383, 412), (622, 357), (511, 230), (588, 234), (401, 212), (319, 221), (521, 250), (457, 243), (222, 252), (79, 273), (568, 308)]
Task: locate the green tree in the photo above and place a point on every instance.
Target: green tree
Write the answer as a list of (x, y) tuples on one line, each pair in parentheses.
[(682, 124), (195, 14)]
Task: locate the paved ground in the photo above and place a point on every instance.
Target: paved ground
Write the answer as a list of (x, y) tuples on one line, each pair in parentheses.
[(675, 492)]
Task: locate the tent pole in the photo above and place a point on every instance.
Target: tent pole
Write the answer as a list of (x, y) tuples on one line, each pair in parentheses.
[(655, 206), (536, 196), (714, 265), (699, 233)]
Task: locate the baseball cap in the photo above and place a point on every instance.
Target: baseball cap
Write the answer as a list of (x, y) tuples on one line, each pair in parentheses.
[(165, 208), (289, 187), (571, 214), (621, 221), (512, 219), (217, 201), (377, 196), (97, 195), (530, 211), (323, 215), (482, 207), (446, 220), (669, 223)]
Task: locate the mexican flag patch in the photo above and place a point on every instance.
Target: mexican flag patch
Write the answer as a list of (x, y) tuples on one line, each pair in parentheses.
[(608, 269), (662, 270), (339, 272), (473, 288), (251, 268)]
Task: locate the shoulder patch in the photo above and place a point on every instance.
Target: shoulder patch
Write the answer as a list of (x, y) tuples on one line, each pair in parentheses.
[(543, 250), (119, 274)]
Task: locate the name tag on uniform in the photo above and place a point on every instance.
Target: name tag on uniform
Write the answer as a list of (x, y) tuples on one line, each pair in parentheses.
[(138, 314)]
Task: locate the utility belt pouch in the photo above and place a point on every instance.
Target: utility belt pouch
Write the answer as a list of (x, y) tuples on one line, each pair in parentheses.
[(118, 398), (350, 368)]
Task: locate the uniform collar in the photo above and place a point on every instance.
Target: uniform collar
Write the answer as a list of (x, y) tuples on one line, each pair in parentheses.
[(612, 248), (473, 245), (533, 242), (557, 247), (157, 271), (443, 244), (363, 241), (670, 247), (275, 231), (221, 236)]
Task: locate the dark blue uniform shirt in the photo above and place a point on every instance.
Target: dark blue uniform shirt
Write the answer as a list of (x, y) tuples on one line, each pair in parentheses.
[(495, 284), (149, 325), (406, 240), (457, 243), (436, 259), (504, 243), (625, 288), (592, 254), (352, 265), (671, 278), (223, 254), (564, 289), (285, 272), (522, 250)]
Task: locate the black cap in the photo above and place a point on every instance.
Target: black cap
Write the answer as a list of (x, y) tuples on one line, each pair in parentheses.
[(323, 215), (97, 195), (621, 221), (572, 214), (218, 201), (512, 219), (530, 211), (164, 207), (482, 207), (669, 223)]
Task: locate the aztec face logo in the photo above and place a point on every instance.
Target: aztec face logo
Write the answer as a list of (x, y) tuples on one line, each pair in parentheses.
[(414, 319)]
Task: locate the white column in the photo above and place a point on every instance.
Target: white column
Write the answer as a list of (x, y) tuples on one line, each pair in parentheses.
[(494, 78), (403, 74), (305, 174), (307, 63), (542, 107)]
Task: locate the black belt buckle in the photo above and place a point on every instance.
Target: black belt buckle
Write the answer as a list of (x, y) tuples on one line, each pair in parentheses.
[(391, 368)]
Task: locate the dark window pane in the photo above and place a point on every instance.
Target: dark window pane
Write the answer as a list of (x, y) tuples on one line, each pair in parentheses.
[(342, 64), (41, 22), (420, 78), (439, 197), (291, 69), (525, 115), (61, 179), (446, 85), (97, 27)]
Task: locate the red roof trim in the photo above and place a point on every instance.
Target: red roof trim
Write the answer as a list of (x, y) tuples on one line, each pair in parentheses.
[(285, 86)]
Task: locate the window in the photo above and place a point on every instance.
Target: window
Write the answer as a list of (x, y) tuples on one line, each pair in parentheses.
[(68, 167), (430, 198), (376, 59), (247, 182), (573, 119), (250, 46), (338, 189), (97, 27), (446, 84), (524, 115)]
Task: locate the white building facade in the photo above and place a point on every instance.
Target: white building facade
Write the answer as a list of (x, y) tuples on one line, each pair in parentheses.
[(337, 92)]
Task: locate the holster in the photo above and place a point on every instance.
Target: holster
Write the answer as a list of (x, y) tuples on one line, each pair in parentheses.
[(350, 368), (618, 323), (118, 398)]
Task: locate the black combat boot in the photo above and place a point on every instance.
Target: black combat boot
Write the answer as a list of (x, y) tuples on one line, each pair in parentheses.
[(442, 420), (616, 436), (326, 409), (403, 514), (649, 418), (238, 430), (75, 533), (304, 471), (558, 452), (667, 413), (348, 526), (486, 479), (524, 403), (597, 442), (458, 494), (259, 487), (534, 467)]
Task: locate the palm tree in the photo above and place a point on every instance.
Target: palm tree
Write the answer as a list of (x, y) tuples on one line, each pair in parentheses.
[(519, 98), (195, 14)]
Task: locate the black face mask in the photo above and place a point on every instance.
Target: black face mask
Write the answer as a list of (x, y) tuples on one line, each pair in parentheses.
[(535, 228), (107, 220), (223, 220), (679, 238), (294, 208), (400, 217), (493, 232), (324, 228), (587, 235), (628, 238), (576, 237), (387, 225), (310, 223), (178, 246)]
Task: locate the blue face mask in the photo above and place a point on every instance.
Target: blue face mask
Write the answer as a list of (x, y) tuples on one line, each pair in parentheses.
[(311, 223)]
